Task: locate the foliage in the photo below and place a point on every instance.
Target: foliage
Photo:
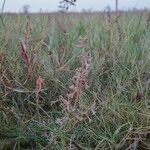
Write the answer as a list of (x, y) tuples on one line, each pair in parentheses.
[(75, 81)]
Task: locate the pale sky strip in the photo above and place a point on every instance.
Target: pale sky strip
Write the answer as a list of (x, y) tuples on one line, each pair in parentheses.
[(52, 5)]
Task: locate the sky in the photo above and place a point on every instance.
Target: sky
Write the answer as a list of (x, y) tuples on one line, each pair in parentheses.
[(52, 5)]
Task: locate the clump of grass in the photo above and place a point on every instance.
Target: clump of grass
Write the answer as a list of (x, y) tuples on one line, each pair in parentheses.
[(95, 70)]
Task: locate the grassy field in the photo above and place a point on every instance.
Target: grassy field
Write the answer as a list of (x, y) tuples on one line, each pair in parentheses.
[(75, 81)]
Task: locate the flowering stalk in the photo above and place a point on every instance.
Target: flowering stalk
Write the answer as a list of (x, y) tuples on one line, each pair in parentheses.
[(24, 53), (39, 83), (79, 83)]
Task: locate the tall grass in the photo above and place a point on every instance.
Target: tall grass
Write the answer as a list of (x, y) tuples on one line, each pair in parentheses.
[(67, 52)]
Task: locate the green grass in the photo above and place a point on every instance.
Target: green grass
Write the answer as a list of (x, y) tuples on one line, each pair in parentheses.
[(113, 113)]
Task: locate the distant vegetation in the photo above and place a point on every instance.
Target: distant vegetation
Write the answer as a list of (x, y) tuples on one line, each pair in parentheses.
[(65, 4), (75, 81)]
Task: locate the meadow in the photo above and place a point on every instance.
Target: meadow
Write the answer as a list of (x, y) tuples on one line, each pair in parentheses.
[(75, 81)]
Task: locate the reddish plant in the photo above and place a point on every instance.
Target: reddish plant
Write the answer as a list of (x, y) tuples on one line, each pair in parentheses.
[(39, 83), (30, 65), (24, 53)]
